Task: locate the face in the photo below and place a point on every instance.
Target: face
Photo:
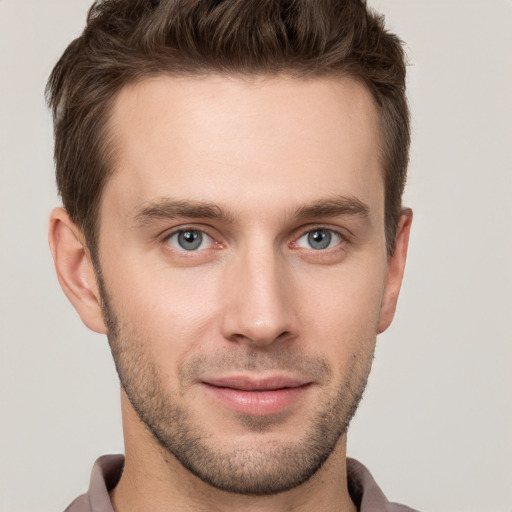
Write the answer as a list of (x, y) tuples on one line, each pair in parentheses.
[(244, 272)]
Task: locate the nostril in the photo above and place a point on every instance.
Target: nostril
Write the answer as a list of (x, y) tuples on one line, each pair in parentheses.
[(261, 338)]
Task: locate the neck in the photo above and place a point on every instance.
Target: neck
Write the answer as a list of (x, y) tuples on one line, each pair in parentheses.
[(154, 480)]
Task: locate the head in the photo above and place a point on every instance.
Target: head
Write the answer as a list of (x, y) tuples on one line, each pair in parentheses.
[(232, 175)]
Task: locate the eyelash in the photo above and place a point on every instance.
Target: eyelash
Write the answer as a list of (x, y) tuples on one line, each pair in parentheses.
[(342, 239), (185, 229)]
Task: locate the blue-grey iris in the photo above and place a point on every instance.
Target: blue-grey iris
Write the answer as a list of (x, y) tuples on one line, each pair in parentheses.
[(319, 239), (190, 240)]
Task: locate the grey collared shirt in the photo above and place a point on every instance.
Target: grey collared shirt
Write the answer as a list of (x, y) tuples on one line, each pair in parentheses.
[(107, 470)]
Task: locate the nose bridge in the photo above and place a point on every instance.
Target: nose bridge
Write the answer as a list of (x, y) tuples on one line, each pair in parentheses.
[(257, 287)]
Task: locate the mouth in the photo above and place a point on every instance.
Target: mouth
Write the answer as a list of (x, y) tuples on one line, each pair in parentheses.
[(257, 396)]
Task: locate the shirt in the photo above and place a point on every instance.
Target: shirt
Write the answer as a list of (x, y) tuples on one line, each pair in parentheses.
[(365, 493)]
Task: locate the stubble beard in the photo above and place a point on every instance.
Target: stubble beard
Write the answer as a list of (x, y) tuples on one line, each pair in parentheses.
[(261, 468)]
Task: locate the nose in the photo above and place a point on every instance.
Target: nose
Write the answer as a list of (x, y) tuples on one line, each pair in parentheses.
[(258, 295)]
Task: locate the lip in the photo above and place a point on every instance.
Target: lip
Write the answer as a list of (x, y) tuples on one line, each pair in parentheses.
[(256, 396)]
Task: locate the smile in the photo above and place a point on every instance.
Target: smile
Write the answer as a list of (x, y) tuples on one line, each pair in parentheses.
[(257, 397)]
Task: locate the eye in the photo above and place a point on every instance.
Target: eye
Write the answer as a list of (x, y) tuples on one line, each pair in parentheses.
[(319, 239), (190, 240)]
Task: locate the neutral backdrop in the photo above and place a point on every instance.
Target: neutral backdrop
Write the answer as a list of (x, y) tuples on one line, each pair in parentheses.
[(435, 426)]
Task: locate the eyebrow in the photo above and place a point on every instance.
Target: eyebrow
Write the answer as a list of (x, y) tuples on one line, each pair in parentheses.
[(334, 207), (168, 208)]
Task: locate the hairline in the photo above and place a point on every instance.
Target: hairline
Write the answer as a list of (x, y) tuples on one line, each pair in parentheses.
[(110, 149)]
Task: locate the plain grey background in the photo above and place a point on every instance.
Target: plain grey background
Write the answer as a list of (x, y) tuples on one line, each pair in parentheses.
[(435, 426)]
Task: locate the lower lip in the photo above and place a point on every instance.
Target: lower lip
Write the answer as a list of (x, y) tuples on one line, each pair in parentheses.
[(258, 403)]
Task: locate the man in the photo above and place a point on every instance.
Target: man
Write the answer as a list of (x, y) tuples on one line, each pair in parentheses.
[(231, 173)]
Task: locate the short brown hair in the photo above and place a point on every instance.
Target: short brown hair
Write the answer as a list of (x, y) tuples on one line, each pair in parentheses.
[(125, 41)]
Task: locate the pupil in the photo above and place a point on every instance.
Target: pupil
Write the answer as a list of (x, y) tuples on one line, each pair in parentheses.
[(189, 240), (319, 239)]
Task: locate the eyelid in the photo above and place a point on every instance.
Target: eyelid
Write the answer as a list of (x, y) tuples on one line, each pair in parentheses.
[(215, 243), (342, 233), (205, 241), (336, 237)]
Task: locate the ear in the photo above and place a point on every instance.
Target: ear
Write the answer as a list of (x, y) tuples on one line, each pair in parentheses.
[(396, 267), (75, 270)]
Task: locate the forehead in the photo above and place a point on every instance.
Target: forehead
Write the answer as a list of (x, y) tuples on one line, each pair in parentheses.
[(235, 139)]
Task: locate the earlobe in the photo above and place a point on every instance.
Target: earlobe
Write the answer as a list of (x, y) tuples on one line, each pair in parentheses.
[(75, 270), (396, 267)]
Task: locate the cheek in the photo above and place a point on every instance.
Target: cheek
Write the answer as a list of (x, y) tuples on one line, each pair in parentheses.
[(342, 306), (176, 311), (171, 309)]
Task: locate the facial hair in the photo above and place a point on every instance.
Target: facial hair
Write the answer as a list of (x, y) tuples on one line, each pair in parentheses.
[(247, 468)]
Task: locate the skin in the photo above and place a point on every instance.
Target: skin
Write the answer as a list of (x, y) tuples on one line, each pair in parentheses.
[(255, 300)]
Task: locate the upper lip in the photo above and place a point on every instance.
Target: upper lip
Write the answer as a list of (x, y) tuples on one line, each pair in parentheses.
[(247, 383)]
